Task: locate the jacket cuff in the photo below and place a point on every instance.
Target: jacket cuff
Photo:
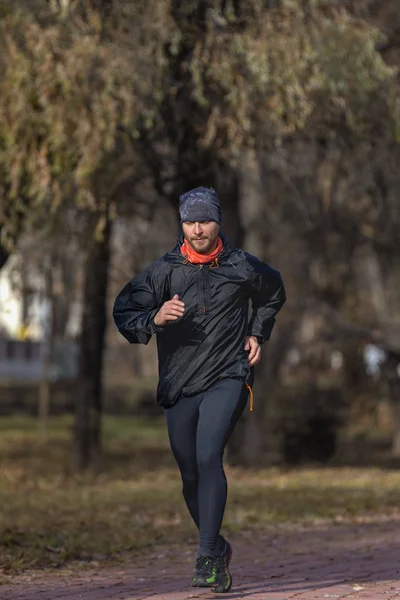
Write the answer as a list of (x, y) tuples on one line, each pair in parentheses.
[(153, 327), (260, 338)]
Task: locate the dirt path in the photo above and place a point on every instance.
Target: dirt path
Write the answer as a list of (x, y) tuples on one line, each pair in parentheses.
[(352, 561)]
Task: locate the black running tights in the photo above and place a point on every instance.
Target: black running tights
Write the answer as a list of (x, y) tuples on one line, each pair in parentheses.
[(199, 428)]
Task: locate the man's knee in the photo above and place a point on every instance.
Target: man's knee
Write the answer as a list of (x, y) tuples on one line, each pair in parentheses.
[(189, 483), (189, 474), (209, 459)]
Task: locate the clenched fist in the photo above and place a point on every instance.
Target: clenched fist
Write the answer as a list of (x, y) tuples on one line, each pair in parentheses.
[(253, 347), (170, 311)]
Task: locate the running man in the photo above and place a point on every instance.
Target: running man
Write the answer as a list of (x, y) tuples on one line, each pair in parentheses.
[(196, 300)]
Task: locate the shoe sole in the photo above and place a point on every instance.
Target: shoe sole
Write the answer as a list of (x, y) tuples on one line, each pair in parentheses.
[(202, 585)]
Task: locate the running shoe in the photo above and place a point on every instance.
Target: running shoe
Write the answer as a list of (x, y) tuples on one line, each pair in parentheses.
[(205, 572)]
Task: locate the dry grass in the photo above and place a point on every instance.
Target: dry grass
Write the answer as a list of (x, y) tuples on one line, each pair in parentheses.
[(50, 517)]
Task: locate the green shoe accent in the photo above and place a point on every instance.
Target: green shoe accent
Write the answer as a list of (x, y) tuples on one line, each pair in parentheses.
[(224, 578), (205, 572)]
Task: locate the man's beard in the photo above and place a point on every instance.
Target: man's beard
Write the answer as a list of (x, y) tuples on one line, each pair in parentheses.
[(202, 248)]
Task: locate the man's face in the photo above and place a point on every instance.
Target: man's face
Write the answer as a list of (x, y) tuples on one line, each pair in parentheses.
[(201, 235)]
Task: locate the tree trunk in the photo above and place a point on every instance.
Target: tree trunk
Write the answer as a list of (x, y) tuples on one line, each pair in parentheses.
[(391, 372), (45, 388), (3, 254), (45, 382), (87, 437)]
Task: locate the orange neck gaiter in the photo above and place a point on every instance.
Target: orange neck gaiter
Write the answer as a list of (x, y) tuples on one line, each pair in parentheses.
[(196, 257)]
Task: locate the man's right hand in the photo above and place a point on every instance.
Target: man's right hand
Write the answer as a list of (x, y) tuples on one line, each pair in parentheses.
[(170, 311)]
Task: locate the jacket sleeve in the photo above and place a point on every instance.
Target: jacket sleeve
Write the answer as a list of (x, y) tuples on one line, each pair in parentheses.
[(268, 296), (136, 306)]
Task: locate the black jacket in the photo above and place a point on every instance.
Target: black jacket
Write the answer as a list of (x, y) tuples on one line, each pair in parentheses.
[(207, 343)]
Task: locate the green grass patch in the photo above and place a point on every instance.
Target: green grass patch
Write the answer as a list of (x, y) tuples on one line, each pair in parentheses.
[(50, 517)]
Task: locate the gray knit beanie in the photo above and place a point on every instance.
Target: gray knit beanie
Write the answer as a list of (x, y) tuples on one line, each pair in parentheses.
[(200, 204)]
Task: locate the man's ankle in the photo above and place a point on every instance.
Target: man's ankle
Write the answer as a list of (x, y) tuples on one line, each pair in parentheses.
[(220, 546)]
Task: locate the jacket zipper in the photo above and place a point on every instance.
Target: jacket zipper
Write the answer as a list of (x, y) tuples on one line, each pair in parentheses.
[(204, 289)]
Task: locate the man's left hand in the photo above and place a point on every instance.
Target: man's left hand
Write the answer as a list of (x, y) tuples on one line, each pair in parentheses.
[(251, 344)]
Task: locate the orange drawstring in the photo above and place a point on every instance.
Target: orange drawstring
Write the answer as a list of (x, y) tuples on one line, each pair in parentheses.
[(214, 264), (251, 396)]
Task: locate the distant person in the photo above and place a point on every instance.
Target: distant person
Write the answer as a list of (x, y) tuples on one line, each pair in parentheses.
[(196, 299)]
